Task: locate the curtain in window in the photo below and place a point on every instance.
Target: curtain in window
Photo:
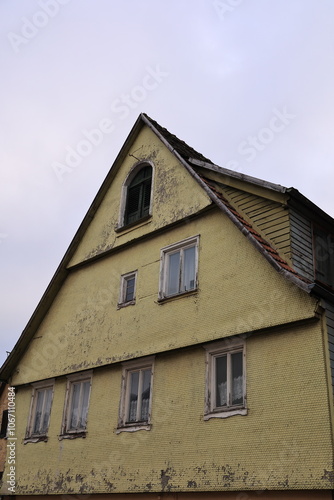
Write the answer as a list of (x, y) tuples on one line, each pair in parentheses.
[(145, 394), (42, 411), (133, 396), (237, 378), (221, 381), (38, 412), (84, 404)]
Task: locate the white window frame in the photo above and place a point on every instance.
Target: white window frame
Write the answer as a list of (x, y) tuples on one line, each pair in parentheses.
[(164, 259), (124, 193), (213, 351), (123, 289), (66, 431), (128, 368), (38, 387)]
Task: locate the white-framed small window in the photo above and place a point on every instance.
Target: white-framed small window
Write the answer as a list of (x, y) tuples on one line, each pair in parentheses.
[(225, 379), (40, 411), (136, 395), (178, 268), (76, 404), (127, 294)]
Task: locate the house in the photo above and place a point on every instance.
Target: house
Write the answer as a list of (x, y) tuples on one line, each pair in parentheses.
[(183, 348)]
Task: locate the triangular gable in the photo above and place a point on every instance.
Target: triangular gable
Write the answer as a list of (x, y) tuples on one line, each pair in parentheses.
[(176, 196), (187, 157)]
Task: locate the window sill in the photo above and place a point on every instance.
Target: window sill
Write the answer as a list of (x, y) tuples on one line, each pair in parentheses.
[(176, 296), (35, 439), (132, 225), (133, 428), (226, 414), (72, 435), (126, 304)]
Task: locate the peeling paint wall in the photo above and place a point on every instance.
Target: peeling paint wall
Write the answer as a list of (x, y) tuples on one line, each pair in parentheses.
[(237, 289), (171, 182), (283, 443), (245, 495)]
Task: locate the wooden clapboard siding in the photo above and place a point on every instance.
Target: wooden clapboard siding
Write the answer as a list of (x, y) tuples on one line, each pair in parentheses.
[(270, 218), (302, 244), (330, 332)]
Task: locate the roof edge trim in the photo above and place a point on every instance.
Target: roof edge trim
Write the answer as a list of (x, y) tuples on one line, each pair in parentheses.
[(239, 176)]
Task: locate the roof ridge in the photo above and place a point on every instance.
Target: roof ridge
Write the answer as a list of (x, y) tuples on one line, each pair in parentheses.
[(179, 145)]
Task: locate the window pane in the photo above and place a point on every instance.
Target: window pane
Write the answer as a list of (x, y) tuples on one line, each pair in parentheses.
[(74, 413), (38, 412), (146, 198), (146, 388), (188, 269), (130, 289), (237, 378), (221, 381), (133, 204), (84, 405), (134, 381), (144, 173), (47, 408), (173, 273)]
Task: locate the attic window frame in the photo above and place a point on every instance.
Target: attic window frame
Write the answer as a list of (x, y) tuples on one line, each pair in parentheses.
[(123, 223), (38, 387)]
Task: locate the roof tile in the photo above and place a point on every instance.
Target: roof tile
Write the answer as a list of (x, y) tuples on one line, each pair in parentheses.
[(265, 244)]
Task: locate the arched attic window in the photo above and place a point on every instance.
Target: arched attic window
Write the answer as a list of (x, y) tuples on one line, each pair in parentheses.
[(138, 195)]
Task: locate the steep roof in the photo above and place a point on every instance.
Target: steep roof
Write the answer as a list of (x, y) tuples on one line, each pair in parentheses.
[(189, 157), (183, 149)]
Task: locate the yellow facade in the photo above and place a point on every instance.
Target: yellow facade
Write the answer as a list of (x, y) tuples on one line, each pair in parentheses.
[(284, 442), (182, 452), (84, 329)]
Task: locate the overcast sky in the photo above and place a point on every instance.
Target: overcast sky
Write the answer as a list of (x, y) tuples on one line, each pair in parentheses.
[(248, 83)]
